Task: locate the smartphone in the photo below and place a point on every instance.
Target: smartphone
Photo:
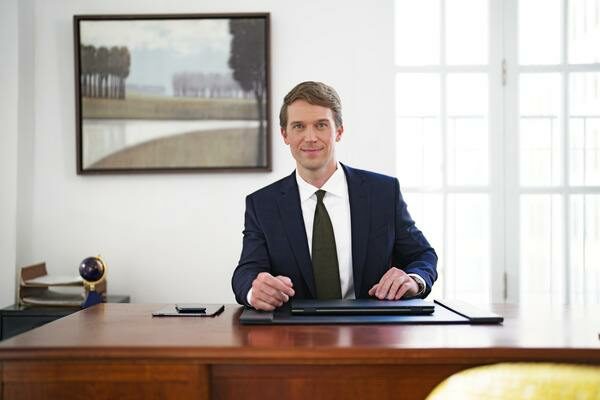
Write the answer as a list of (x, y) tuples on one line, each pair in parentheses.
[(190, 308)]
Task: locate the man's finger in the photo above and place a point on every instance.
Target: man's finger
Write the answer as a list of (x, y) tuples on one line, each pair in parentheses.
[(402, 291), (384, 287), (271, 300), (394, 288), (277, 294), (285, 280), (279, 285), (373, 289), (261, 298), (265, 280), (261, 305)]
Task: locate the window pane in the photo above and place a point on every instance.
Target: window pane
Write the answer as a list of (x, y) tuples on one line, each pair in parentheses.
[(584, 238), (418, 145), (540, 145), (539, 31), (467, 32), (417, 95), (417, 32), (467, 94), (584, 129), (584, 31), (541, 250), (539, 94), (467, 129), (419, 152), (467, 262), (427, 212)]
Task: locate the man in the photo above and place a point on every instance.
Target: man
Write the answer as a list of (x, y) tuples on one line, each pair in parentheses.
[(328, 231)]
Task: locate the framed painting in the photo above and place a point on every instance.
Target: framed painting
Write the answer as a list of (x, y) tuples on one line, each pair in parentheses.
[(172, 93)]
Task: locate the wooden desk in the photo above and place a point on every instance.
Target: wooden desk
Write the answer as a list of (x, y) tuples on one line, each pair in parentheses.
[(114, 351)]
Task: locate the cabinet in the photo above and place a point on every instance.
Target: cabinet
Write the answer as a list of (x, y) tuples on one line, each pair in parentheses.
[(18, 319)]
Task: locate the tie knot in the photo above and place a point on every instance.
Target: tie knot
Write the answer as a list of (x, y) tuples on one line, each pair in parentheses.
[(320, 194)]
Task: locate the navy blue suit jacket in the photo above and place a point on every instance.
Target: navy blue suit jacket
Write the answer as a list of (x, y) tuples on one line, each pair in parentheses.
[(383, 235)]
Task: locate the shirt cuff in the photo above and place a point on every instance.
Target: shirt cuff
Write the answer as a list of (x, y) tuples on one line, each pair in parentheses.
[(420, 282), (249, 296)]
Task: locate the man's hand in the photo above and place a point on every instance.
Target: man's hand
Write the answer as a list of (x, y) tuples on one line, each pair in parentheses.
[(394, 285), (270, 292)]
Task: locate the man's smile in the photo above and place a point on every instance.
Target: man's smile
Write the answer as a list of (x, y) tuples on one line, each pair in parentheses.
[(311, 151)]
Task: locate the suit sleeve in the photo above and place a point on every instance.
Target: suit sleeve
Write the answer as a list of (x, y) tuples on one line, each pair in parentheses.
[(412, 252), (254, 258)]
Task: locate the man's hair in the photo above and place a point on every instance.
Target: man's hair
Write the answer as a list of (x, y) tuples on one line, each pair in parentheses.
[(315, 93)]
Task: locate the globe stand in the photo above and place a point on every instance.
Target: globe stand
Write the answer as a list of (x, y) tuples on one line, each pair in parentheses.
[(92, 299), (93, 272)]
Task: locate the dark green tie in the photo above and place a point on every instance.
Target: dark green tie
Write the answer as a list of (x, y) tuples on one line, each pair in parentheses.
[(324, 254)]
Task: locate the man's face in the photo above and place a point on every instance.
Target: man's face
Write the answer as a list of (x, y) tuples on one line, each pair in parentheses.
[(311, 134)]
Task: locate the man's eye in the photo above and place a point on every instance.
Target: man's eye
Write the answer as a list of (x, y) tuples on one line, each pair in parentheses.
[(297, 126), (322, 125)]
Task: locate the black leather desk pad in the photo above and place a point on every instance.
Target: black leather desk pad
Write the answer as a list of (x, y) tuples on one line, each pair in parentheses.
[(441, 315)]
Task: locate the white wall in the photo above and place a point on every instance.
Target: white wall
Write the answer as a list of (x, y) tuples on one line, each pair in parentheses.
[(177, 237), (8, 147)]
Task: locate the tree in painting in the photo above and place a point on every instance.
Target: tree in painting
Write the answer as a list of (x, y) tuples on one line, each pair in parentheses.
[(104, 70), (247, 60)]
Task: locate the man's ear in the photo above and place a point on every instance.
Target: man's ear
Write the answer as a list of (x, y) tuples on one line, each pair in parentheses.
[(284, 135), (339, 131)]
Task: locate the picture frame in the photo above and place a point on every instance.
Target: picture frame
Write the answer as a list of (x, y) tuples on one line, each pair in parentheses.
[(172, 93)]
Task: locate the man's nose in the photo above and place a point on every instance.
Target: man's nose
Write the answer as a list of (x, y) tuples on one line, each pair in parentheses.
[(311, 135)]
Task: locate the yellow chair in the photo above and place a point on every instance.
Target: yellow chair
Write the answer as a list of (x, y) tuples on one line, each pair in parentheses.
[(530, 381)]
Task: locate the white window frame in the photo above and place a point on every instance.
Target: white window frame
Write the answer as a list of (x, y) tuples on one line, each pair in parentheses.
[(504, 188), (495, 188), (511, 106)]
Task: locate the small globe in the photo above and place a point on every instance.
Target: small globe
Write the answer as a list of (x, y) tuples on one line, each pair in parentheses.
[(92, 269)]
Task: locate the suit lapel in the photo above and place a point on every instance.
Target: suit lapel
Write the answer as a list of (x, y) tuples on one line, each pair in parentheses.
[(291, 218), (359, 221)]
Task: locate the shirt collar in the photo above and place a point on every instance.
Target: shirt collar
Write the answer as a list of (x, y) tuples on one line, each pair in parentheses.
[(334, 185)]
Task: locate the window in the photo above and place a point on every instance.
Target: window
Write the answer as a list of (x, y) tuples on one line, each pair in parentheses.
[(498, 144)]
